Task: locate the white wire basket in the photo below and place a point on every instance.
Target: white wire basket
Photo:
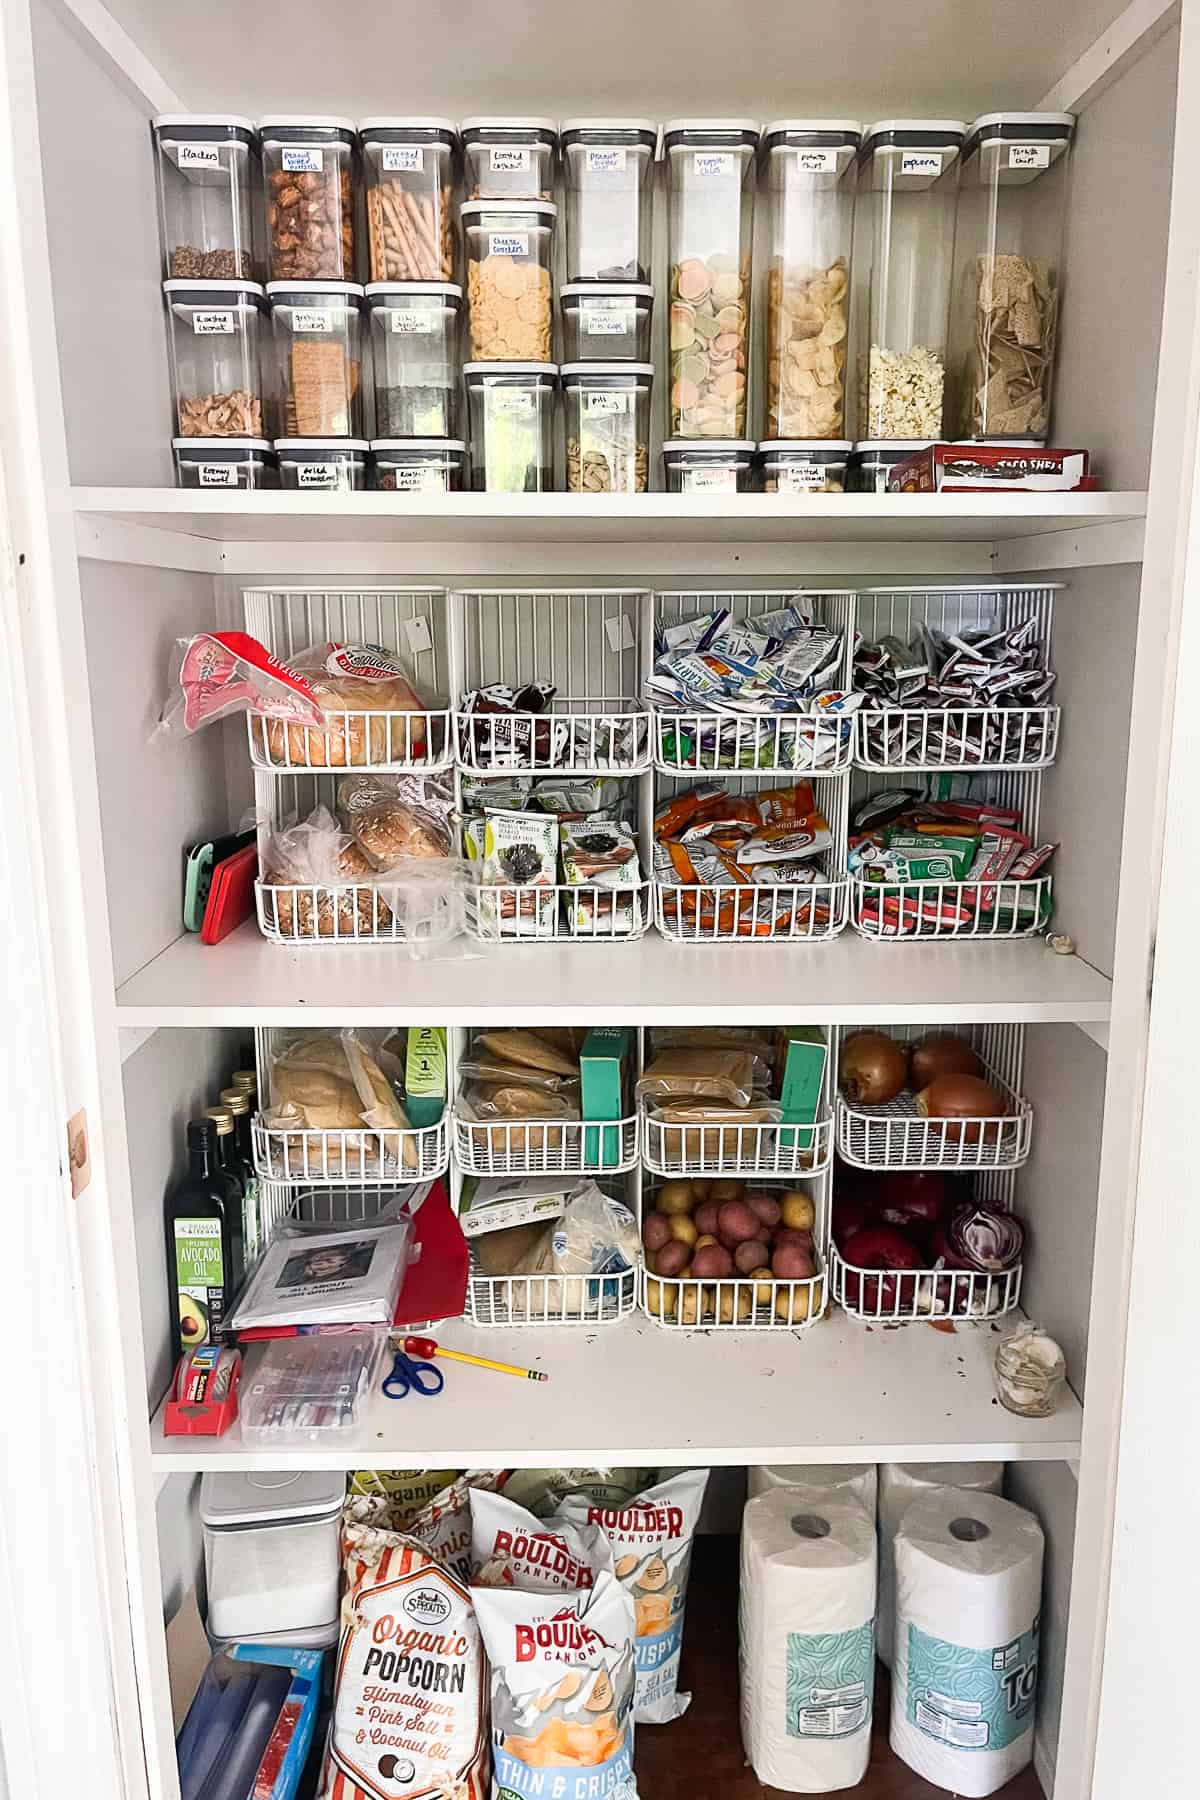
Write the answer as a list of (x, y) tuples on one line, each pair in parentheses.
[(381, 912), (910, 1296), (738, 1304), (682, 1149), (895, 1136), (574, 736), (915, 739), (358, 1160), (918, 911), (544, 1146), (394, 742), (583, 912), (572, 1300)]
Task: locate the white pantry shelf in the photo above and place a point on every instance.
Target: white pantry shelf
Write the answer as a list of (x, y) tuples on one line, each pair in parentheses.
[(842, 1392), (247, 981)]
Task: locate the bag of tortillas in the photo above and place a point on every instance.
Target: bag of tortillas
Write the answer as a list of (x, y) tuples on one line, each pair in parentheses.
[(562, 1692), (651, 1538), (512, 1548)]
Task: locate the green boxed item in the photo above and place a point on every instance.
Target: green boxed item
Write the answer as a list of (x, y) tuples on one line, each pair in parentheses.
[(602, 1063), (425, 1075), (803, 1082), (931, 855)]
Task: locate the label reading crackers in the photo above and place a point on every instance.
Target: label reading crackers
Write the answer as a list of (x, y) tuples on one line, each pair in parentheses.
[(508, 243), (309, 318)]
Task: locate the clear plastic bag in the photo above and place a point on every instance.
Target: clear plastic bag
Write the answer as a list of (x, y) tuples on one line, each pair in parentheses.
[(492, 1071), (356, 686), (398, 818), (218, 673), (704, 1073)]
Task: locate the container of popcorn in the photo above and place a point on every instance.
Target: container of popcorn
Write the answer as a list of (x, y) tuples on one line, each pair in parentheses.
[(224, 463), (315, 335), (908, 172), (808, 168), (511, 409), (873, 459), (408, 174), (710, 223), (712, 466), (215, 351), (608, 164), (206, 168), (322, 465), (803, 465), (509, 248), (1008, 243), (414, 357), (509, 159), (606, 321), (310, 173), (415, 466), (607, 425)]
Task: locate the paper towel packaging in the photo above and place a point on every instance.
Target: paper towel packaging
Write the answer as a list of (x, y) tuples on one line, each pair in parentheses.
[(964, 1679), (806, 1620), (855, 1478), (899, 1485)]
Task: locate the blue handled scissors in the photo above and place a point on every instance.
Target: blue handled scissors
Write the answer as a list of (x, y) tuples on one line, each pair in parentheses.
[(409, 1377)]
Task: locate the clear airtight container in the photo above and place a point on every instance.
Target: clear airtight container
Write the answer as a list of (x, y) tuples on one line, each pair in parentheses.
[(224, 463), (509, 247), (1007, 266), (710, 166), (322, 465), (414, 358), (607, 409), (903, 243), (408, 172), (315, 331), (606, 319), (809, 172), (803, 465), (713, 467), (309, 174), (509, 159), (873, 459), (206, 169), (608, 164), (414, 466), (511, 407), (215, 357)]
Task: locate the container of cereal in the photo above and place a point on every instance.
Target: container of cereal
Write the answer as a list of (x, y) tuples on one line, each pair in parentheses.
[(803, 465), (414, 357), (317, 380), (1008, 244), (608, 319), (215, 350), (205, 172), (509, 159), (608, 164), (607, 413), (908, 173), (509, 248), (224, 463), (873, 459), (408, 173), (415, 466), (511, 407), (714, 466), (322, 465), (809, 173), (710, 169), (309, 178)]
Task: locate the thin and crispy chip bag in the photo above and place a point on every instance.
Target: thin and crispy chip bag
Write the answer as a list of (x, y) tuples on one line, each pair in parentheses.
[(562, 1692), (512, 1548)]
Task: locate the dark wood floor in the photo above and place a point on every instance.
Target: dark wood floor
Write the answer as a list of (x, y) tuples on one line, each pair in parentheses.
[(699, 1757)]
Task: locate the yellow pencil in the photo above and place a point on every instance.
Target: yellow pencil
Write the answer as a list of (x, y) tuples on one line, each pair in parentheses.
[(420, 1346)]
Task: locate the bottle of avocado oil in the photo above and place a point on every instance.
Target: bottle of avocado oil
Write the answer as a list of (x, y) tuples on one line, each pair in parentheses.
[(200, 1251)]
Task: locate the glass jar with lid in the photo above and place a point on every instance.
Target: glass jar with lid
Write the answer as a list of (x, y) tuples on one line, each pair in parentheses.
[(607, 411), (408, 173), (206, 169), (315, 331), (511, 408), (414, 357), (309, 172), (215, 357), (606, 320), (509, 159), (608, 163)]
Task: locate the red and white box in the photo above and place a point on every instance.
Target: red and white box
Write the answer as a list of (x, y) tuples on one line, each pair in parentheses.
[(990, 469)]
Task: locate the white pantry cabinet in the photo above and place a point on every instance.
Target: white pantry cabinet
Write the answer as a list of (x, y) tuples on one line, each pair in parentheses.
[(113, 1013)]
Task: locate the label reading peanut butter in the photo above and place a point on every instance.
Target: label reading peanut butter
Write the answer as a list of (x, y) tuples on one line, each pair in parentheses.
[(302, 159)]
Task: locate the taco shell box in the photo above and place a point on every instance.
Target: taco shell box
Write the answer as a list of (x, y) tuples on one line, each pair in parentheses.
[(990, 469)]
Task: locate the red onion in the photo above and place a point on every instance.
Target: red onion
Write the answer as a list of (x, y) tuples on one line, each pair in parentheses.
[(979, 1238), (878, 1247), (913, 1199)]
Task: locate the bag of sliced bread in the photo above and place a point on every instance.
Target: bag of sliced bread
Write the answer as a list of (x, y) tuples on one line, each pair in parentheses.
[(512, 1548), (651, 1538), (562, 1682)]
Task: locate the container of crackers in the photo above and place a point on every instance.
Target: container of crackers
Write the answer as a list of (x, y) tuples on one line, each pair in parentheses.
[(509, 251), (315, 334), (607, 414), (408, 173), (511, 407)]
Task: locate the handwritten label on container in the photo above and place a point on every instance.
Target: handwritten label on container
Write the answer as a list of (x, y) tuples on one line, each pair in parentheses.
[(799, 478), (217, 475), (816, 162), (418, 481), (404, 159), (603, 402), (307, 318), (517, 402), (508, 243), (610, 161), (709, 481), (199, 156), (411, 322), (921, 162), (610, 319), (212, 324), (302, 159), (712, 162), (316, 475), (509, 159), (1029, 156)]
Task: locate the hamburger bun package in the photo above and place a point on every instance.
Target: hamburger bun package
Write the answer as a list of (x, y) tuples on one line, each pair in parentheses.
[(512, 1548)]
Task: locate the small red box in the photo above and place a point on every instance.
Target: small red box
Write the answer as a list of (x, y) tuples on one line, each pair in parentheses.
[(990, 469)]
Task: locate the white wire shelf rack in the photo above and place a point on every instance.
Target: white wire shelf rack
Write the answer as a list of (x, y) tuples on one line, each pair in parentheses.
[(582, 912), (895, 1136), (357, 1160), (738, 1304), (677, 1148), (918, 911), (544, 1146), (574, 736), (567, 1300), (910, 1296), (388, 742), (915, 740), (381, 912)]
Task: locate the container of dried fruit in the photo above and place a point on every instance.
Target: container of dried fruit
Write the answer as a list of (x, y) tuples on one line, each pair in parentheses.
[(873, 459), (224, 463), (511, 409), (907, 186), (322, 465), (509, 248), (803, 465), (607, 163), (316, 386), (509, 159), (309, 176), (606, 410), (215, 350), (808, 170), (206, 168), (1008, 243), (712, 466), (408, 175), (415, 466), (606, 319), (710, 224), (414, 357)]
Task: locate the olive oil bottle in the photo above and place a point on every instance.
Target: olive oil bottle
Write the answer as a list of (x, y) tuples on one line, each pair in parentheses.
[(200, 1250)]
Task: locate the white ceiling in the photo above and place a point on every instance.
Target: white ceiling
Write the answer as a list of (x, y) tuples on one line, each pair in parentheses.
[(764, 58)]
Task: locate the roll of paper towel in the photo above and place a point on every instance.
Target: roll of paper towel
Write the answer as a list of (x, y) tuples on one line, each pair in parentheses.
[(806, 1633), (899, 1485), (855, 1478), (964, 1683)]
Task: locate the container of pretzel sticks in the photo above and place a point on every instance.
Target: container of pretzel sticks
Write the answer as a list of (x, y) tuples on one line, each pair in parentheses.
[(408, 166)]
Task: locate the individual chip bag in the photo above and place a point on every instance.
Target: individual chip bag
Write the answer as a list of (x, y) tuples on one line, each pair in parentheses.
[(651, 1539), (512, 1548), (442, 1525), (562, 1691)]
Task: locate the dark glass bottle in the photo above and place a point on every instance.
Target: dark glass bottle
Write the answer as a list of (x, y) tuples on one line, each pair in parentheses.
[(199, 1243)]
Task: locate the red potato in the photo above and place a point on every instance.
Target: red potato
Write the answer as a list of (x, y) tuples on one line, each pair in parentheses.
[(790, 1263), (764, 1207), (736, 1224), (712, 1263), (725, 1190), (750, 1256), (705, 1216), (791, 1234), (672, 1259), (656, 1230)]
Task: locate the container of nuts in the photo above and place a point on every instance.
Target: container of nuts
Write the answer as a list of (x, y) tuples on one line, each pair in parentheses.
[(408, 173), (316, 389), (607, 412), (215, 357), (509, 249), (511, 408), (808, 173), (415, 466), (609, 319), (509, 159), (710, 166), (414, 357), (205, 170), (803, 465), (309, 177), (708, 466)]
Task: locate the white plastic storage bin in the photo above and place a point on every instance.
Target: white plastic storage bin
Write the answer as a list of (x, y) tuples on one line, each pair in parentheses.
[(608, 164), (206, 169), (895, 1135), (408, 173), (216, 341), (271, 1555)]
